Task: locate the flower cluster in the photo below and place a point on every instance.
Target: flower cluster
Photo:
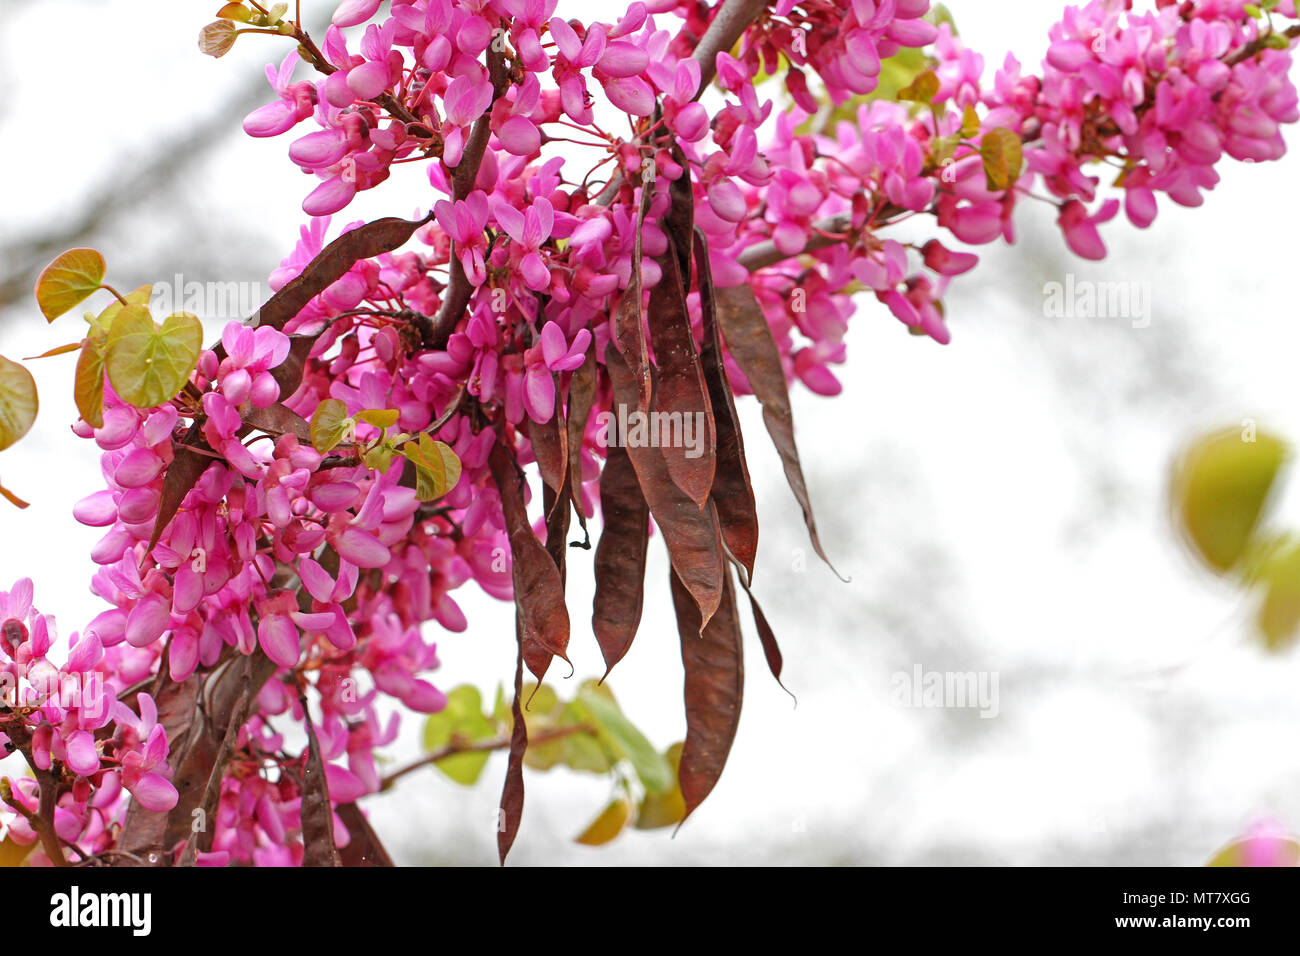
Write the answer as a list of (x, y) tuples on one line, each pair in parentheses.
[(85, 716)]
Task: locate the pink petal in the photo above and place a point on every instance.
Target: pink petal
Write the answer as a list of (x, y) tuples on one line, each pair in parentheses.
[(80, 754), (155, 793), (363, 549), (279, 638), (519, 136)]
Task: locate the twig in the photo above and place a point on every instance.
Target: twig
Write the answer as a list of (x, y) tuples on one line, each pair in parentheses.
[(485, 746), (458, 292), (212, 792), (41, 822)]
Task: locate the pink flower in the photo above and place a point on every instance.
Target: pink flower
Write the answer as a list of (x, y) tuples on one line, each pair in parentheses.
[(296, 102), (465, 222), (552, 353)]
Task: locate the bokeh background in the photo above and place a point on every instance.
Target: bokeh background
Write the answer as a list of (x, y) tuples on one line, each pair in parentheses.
[(1000, 504)]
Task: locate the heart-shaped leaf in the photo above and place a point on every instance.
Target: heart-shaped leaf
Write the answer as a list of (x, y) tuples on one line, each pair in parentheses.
[(329, 424), (437, 467), (18, 402), (70, 279), (146, 364)]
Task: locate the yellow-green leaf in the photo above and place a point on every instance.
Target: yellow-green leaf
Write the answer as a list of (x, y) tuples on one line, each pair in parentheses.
[(970, 123), (104, 321), (608, 825), (18, 402), (70, 279), (88, 387), (380, 418), (618, 734), (378, 458), (668, 808), (460, 723), (148, 365), (329, 424), (1278, 618), (1220, 488), (437, 467), (923, 89), (1003, 156)]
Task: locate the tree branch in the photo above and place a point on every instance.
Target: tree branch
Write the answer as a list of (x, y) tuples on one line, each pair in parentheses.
[(486, 746), (727, 27)]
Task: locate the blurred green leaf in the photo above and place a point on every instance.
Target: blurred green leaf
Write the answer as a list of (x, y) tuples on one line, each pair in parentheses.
[(597, 705), (461, 722), (18, 402), (668, 808), (609, 824), (1278, 618), (1220, 488)]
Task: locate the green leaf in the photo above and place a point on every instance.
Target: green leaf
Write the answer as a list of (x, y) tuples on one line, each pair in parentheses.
[(70, 279), (923, 89), (437, 467), (970, 123), (1278, 618), (104, 321), (668, 808), (938, 14), (1220, 488), (1003, 156), (378, 458), (18, 402), (608, 825), (148, 365), (329, 424), (461, 722), (622, 738), (380, 418), (88, 388)]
